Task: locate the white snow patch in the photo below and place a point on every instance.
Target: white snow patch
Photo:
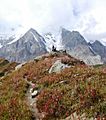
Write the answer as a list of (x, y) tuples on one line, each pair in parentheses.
[(16, 38), (59, 45), (50, 41), (103, 41), (18, 35), (92, 49), (53, 41), (34, 36), (1, 45)]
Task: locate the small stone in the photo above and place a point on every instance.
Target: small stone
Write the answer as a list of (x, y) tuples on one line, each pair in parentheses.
[(34, 94)]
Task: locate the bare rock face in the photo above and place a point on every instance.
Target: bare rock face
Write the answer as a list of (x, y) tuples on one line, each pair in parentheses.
[(27, 47), (72, 39), (76, 46), (83, 52), (100, 49)]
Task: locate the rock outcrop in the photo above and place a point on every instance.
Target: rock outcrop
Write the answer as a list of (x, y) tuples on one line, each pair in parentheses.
[(57, 67)]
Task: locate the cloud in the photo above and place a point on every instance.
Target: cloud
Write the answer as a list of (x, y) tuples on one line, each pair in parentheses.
[(86, 16), (91, 22)]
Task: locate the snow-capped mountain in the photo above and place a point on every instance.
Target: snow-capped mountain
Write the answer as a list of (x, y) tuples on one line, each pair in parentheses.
[(30, 45), (12, 36)]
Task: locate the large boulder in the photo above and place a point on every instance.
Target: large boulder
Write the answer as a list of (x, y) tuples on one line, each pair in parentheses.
[(57, 67)]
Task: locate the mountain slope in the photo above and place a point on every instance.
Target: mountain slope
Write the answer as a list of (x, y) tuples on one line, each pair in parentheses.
[(27, 47), (6, 67), (84, 53), (32, 44), (71, 39), (4, 40), (100, 49), (76, 45)]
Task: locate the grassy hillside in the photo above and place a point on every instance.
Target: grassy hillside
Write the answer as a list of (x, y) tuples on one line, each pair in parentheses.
[(6, 67), (79, 90)]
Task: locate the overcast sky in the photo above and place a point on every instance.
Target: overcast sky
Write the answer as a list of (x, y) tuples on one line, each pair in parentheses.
[(86, 16)]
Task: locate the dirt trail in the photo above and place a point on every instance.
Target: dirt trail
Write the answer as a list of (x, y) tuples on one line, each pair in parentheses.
[(32, 102)]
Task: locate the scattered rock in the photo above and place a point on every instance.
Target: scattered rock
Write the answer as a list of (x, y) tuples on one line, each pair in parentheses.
[(19, 66), (38, 58), (64, 82)]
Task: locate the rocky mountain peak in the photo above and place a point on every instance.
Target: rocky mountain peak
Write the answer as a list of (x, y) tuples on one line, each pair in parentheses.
[(97, 43), (32, 34), (30, 45), (72, 39), (31, 30), (77, 46)]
